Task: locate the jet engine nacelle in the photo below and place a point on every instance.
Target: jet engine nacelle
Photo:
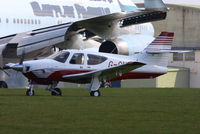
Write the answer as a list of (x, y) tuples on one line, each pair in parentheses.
[(126, 44), (116, 46)]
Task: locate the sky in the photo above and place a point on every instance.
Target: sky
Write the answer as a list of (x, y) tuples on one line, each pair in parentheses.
[(190, 2)]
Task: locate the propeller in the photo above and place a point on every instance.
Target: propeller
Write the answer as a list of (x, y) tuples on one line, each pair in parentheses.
[(22, 57), (17, 67), (20, 66)]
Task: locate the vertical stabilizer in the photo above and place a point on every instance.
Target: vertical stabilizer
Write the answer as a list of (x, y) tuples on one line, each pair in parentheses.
[(158, 52), (163, 43), (155, 5)]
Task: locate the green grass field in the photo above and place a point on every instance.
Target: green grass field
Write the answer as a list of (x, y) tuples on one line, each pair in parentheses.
[(117, 111)]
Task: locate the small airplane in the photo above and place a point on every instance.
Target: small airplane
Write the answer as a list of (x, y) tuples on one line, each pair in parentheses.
[(81, 66)]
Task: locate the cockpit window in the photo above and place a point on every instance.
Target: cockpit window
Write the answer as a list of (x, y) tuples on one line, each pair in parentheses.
[(95, 59), (77, 58), (60, 57)]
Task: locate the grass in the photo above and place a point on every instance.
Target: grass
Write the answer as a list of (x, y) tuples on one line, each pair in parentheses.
[(117, 111)]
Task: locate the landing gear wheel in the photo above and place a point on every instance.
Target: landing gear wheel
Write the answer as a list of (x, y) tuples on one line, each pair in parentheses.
[(3, 84), (95, 93), (30, 93), (56, 92)]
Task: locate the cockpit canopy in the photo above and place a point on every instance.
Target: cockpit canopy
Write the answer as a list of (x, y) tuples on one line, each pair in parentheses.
[(78, 58)]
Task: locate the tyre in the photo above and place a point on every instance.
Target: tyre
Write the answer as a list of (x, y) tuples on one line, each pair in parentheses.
[(95, 93), (29, 93), (105, 85), (57, 93)]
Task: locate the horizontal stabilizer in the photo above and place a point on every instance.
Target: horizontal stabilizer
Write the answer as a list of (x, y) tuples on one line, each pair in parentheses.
[(166, 51)]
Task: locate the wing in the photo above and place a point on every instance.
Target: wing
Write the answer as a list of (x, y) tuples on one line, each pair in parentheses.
[(105, 26), (104, 74)]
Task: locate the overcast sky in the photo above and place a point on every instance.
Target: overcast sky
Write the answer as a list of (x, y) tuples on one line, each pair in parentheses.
[(191, 2)]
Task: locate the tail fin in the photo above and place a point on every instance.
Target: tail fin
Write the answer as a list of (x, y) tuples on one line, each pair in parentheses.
[(155, 5), (162, 44), (157, 53)]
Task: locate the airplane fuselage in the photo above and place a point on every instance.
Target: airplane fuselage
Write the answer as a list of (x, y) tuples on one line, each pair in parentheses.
[(46, 71)]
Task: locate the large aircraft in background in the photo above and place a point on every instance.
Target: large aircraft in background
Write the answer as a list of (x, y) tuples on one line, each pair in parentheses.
[(36, 27)]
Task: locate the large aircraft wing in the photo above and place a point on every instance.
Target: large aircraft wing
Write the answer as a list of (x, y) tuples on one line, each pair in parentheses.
[(104, 74), (41, 41), (104, 25)]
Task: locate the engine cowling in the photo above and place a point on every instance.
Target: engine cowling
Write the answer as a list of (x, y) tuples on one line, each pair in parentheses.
[(115, 46), (126, 44)]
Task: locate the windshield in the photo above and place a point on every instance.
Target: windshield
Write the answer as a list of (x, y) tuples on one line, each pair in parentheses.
[(60, 57)]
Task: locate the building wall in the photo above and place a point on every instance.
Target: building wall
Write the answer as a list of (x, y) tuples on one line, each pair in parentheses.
[(176, 77), (194, 68)]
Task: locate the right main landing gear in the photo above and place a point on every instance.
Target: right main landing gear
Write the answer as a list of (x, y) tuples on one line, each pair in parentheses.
[(95, 93), (56, 92), (94, 87)]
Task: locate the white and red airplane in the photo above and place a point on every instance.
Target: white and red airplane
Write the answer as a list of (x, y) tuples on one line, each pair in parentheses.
[(81, 66)]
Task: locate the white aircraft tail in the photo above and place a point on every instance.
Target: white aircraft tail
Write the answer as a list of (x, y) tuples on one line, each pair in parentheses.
[(162, 44), (158, 52)]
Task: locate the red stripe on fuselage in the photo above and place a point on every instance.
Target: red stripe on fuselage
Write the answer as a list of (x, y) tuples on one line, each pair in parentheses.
[(57, 76)]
